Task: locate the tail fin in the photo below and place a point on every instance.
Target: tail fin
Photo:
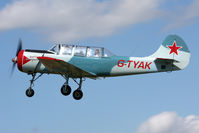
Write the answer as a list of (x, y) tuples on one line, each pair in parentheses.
[(174, 48)]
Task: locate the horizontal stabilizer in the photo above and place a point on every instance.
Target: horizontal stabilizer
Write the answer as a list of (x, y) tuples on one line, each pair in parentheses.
[(165, 60), (173, 51)]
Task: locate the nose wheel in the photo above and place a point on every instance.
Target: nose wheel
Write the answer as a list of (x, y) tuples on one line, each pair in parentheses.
[(30, 92)]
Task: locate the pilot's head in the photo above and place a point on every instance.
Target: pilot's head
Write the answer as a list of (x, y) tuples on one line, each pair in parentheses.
[(97, 52)]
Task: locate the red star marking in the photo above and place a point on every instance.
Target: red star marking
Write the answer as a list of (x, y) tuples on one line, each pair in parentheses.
[(174, 48)]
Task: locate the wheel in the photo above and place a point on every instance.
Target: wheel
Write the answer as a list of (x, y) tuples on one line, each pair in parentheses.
[(65, 90), (77, 94), (29, 92)]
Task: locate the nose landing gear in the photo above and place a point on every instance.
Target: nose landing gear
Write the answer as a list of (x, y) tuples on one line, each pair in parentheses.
[(30, 92)]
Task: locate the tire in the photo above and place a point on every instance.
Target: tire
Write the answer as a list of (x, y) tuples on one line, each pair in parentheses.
[(65, 90), (77, 94), (29, 92)]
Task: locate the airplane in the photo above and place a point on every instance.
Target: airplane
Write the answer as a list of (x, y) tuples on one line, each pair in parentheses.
[(81, 62)]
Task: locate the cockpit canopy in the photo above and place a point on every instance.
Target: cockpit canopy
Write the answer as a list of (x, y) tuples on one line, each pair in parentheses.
[(85, 51)]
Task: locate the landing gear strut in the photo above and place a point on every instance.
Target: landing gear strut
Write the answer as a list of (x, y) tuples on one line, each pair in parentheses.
[(66, 89), (78, 94), (30, 92)]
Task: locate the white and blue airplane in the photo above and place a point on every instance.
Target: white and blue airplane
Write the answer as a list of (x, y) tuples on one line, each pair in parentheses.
[(80, 62)]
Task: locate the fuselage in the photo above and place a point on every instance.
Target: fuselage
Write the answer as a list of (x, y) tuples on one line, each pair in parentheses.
[(86, 61), (101, 67)]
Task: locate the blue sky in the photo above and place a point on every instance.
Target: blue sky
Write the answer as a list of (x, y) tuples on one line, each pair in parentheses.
[(120, 105)]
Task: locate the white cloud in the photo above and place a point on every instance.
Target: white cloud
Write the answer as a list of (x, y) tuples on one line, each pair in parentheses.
[(183, 15), (170, 122), (76, 19)]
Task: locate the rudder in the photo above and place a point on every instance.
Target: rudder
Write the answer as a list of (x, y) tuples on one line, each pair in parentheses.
[(174, 48)]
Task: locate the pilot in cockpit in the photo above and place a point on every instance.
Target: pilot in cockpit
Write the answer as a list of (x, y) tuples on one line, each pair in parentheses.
[(97, 53), (65, 50)]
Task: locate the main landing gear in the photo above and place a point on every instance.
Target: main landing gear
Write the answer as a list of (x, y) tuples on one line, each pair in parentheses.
[(78, 94), (66, 89), (30, 92)]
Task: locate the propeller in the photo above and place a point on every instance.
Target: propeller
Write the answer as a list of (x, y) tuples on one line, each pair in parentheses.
[(14, 60), (19, 48)]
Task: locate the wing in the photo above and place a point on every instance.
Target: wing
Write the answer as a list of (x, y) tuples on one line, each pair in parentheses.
[(62, 67)]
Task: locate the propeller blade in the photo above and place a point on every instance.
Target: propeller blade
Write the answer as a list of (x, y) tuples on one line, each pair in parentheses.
[(19, 48), (13, 68)]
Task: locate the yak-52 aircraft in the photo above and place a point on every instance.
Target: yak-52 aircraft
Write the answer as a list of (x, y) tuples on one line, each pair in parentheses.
[(80, 62)]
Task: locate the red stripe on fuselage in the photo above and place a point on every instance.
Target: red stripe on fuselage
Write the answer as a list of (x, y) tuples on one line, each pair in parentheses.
[(48, 58)]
